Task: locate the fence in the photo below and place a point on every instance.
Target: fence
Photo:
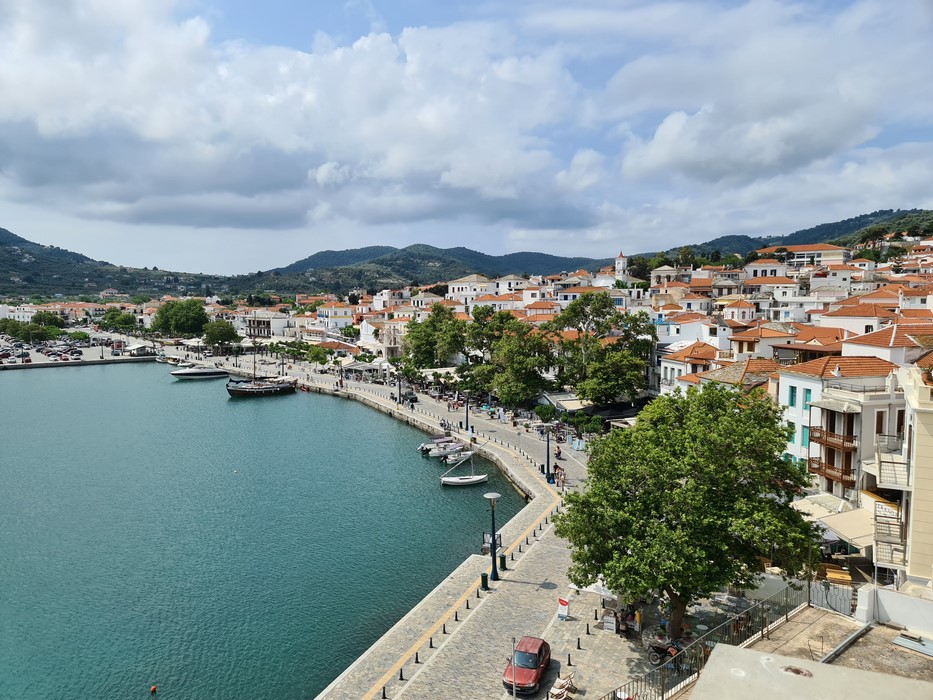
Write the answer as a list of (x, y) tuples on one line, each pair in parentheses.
[(741, 629)]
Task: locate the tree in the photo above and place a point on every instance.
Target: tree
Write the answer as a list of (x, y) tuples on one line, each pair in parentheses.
[(611, 376), (116, 319), (350, 332), (46, 318), (520, 360), (180, 318), (687, 500), (220, 333), (434, 341)]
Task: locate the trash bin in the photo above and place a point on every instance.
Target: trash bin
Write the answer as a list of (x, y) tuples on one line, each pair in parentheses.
[(502, 565), (484, 581)]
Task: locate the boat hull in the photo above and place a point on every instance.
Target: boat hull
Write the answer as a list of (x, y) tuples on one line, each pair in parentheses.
[(254, 389), (200, 373), (463, 480)]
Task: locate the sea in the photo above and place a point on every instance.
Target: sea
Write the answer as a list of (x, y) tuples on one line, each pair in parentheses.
[(158, 532)]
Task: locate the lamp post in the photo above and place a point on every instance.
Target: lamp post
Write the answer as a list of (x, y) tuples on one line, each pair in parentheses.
[(467, 405), (547, 454), (398, 396), (492, 497)]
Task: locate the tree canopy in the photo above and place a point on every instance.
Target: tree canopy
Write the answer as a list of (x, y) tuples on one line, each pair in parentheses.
[(688, 499), (180, 318), (436, 340), (220, 333)]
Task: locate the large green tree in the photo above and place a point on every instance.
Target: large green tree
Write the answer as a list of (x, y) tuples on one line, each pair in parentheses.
[(519, 361), (687, 500), (220, 333), (436, 340), (46, 318), (186, 317)]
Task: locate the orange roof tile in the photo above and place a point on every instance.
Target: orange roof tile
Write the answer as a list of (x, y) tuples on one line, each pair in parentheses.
[(861, 311), (826, 367), (901, 335), (698, 350)]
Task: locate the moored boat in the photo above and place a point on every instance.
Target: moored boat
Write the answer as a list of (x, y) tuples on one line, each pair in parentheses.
[(465, 479), (261, 387), (200, 373)]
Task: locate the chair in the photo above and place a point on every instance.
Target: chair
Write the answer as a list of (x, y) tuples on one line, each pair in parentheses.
[(565, 683), (557, 694)]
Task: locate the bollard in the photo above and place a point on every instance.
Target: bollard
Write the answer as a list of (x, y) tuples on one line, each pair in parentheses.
[(578, 643), (502, 566), (512, 556), (417, 660), (431, 643), (401, 672), (568, 660), (456, 616), (477, 593), (519, 548), (545, 520), (526, 540), (384, 696), (596, 614), (587, 628), (468, 603), (444, 630), (484, 581)]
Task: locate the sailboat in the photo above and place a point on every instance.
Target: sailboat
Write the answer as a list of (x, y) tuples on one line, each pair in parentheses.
[(466, 479), (261, 387)]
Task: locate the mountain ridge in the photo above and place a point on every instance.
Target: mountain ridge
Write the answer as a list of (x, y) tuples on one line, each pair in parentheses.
[(28, 268)]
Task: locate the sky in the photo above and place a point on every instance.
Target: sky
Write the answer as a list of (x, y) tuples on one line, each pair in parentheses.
[(231, 136)]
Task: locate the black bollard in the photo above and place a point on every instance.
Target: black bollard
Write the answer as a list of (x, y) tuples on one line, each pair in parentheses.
[(568, 660), (596, 614), (477, 593), (384, 696), (401, 673), (445, 628), (526, 540), (578, 643), (545, 520), (417, 660), (587, 628), (519, 548), (431, 643), (468, 603), (512, 556), (456, 616)]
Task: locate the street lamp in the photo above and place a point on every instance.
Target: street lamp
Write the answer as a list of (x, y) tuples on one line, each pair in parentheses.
[(467, 395), (492, 497), (547, 453), (398, 396)]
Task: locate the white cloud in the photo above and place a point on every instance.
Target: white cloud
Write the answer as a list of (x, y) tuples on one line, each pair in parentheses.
[(532, 123)]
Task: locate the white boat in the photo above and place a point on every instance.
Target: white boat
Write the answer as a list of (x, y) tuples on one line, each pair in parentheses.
[(466, 479), (200, 373), (447, 448), (434, 442), (457, 456)]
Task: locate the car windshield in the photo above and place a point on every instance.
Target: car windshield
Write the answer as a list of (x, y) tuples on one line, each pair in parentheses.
[(525, 659)]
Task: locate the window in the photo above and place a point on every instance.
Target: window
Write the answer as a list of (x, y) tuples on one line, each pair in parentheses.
[(805, 435), (807, 396), (791, 396), (792, 438)]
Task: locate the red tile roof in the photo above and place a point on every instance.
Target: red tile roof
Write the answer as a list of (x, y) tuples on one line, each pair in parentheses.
[(826, 367)]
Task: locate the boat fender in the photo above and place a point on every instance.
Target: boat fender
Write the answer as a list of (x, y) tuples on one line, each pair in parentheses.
[(152, 690)]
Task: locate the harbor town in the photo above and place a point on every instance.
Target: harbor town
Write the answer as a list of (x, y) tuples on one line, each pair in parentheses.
[(836, 344)]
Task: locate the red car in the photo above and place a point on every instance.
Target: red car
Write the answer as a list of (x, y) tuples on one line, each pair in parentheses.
[(532, 657)]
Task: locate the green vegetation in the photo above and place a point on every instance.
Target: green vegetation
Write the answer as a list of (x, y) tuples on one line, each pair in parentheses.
[(180, 318), (116, 320), (46, 318), (436, 341), (220, 332), (688, 500)]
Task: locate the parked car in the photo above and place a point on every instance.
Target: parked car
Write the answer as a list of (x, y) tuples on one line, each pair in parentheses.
[(409, 397), (532, 658)]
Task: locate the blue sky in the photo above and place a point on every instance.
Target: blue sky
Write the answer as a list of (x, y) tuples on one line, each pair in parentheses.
[(231, 136)]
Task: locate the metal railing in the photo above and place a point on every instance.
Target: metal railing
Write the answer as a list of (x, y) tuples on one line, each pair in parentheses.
[(889, 554), (857, 388), (890, 444), (742, 629)]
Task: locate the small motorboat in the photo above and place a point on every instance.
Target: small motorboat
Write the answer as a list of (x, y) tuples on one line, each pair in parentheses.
[(200, 373), (457, 456), (465, 479), (434, 442), (447, 448)]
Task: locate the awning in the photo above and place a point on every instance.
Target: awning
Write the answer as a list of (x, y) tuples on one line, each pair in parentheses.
[(442, 371), (857, 527), (838, 406)]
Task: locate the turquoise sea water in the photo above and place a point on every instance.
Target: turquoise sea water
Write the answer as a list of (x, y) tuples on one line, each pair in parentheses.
[(157, 532)]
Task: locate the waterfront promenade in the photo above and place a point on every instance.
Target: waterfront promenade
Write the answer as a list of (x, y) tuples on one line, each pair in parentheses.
[(455, 642)]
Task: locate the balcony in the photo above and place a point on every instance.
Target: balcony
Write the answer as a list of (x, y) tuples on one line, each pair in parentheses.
[(893, 466), (890, 555), (847, 443), (843, 475)]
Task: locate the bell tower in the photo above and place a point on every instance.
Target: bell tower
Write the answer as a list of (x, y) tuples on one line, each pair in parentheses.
[(621, 267)]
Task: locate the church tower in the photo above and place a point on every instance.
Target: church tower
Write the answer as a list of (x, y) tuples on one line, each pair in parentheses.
[(621, 267)]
